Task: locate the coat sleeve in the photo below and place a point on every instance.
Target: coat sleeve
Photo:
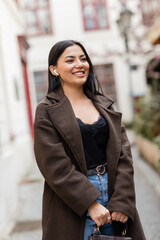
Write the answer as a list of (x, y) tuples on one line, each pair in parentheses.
[(123, 197), (70, 185)]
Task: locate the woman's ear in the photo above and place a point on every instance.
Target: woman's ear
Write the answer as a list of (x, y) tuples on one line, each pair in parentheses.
[(53, 70)]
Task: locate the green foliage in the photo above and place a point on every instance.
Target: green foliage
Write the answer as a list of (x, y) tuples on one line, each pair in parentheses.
[(147, 120)]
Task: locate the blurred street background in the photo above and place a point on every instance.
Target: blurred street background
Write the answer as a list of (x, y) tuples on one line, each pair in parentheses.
[(122, 38)]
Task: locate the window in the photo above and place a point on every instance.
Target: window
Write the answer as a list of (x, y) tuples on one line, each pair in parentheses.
[(106, 78), (94, 14), (150, 10), (41, 84), (37, 16)]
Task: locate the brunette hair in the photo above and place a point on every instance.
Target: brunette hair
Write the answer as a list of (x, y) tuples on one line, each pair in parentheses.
[(92, 82)]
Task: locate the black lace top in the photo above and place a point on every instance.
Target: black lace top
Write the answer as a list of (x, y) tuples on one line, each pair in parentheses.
[(95, 137)]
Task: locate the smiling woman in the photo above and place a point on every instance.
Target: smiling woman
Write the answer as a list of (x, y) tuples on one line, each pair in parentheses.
[(83, 152)]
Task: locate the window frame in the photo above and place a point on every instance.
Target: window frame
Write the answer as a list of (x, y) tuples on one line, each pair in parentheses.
[(39, 32), (105, 80), (149, 17), (96, 27), (41, 88)]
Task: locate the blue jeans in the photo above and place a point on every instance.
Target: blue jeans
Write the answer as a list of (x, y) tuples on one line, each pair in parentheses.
[(101, 182)]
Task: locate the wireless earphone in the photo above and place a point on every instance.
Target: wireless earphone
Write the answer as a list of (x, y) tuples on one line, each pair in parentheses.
[(55, 72)]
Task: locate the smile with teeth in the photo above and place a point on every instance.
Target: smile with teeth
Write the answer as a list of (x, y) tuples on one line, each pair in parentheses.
[(78, 73)]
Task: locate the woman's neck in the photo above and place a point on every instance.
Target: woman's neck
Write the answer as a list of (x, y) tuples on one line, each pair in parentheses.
[(75, 95)]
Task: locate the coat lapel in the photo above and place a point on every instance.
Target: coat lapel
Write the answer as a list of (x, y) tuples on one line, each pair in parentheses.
[(63, 118), (114, 143)]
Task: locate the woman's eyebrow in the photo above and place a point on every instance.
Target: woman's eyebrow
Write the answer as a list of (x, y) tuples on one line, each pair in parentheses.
[(74, 56)]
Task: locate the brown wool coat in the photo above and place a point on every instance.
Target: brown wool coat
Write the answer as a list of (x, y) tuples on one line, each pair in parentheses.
[(60, 156)]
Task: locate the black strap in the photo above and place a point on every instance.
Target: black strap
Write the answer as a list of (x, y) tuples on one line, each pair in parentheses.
[(124, 232)]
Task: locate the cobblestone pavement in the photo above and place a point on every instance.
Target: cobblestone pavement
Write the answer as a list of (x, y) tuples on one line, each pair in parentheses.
[(147, 184)]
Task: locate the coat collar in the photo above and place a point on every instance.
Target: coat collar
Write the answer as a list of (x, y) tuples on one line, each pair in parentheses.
[(104, 101), (57, 94)]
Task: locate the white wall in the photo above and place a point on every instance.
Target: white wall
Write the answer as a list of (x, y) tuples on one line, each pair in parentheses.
[(16, 154)]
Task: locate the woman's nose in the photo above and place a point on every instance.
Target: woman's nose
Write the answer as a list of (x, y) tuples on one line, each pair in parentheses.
[(79, 63)]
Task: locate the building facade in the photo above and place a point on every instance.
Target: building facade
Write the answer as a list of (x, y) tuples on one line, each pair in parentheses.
[(151, 20), (92, 22), (16, 154)]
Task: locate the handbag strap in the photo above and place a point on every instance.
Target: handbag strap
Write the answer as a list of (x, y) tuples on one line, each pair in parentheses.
[(96, 230), (124, 232)]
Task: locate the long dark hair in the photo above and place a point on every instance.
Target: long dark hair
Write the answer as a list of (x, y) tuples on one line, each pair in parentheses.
[(92, 82)]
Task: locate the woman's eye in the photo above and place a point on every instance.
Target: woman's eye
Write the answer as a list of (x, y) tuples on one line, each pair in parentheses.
[(84, 59), (69, 60), (72, 60)]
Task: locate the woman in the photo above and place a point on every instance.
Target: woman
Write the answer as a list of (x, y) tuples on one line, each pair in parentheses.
[(83, 153)]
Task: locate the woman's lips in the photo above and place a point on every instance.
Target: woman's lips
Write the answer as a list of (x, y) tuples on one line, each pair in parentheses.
[(80, 73)]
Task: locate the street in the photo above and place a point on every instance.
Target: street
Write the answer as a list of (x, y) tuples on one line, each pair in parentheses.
[(147, 184)]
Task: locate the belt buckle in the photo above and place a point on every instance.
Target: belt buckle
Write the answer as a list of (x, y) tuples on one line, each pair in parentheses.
[(100, 169)]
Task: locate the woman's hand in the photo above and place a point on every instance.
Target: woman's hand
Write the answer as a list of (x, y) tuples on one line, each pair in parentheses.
[(118, 216), (99, 214)]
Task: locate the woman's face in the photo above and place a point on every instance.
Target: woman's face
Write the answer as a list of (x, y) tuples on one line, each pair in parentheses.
[(73, 67)]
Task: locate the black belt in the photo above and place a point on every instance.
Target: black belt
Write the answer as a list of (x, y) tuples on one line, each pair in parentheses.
[(101, 169)]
